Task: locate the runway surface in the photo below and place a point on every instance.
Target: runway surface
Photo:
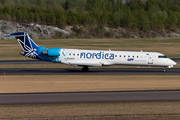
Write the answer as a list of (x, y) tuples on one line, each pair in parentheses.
[(23, 62), (89, 97), (92, 71)]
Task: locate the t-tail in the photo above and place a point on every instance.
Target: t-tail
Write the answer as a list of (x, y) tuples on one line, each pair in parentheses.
[(29, 47)]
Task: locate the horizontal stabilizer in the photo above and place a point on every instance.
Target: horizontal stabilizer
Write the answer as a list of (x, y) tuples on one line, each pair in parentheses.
[(19, 34)]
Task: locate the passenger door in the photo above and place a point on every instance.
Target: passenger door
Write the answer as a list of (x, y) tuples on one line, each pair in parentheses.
[(150, 60)]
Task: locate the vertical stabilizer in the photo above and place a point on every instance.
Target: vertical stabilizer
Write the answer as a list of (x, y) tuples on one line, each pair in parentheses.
[(28, 46)]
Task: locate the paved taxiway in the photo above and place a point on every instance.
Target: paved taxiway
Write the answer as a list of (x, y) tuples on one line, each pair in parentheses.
[(89, 97), (92, 71)]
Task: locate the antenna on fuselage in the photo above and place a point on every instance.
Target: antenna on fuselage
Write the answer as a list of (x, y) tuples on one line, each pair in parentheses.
[(141, 50), (109, 49)]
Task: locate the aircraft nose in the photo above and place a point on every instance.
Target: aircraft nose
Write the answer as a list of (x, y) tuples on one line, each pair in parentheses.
[(172, 62)]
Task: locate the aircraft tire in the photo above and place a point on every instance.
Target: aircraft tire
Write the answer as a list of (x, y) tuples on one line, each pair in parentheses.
[(85, 69)]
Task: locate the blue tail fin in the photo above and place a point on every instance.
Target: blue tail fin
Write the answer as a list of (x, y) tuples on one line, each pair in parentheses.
[(26, 43), (29, 47)]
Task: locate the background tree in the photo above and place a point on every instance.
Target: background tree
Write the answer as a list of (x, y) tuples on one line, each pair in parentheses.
[(135, 14)]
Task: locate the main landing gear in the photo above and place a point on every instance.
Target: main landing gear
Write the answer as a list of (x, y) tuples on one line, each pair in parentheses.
[(85, 69), (164, 69)]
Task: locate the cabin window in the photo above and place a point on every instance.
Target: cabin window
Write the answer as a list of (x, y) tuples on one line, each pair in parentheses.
[(69, 54), (74, 54), (77, 54), (137, 56), (133, 56), (115, 55), (162, 56), (119, 55), (129, 56), (124, 56)]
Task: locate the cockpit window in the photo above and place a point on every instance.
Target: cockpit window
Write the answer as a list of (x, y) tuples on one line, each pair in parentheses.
[(162, 57)]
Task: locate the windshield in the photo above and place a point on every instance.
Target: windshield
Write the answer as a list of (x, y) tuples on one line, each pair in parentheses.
[(162, 57)]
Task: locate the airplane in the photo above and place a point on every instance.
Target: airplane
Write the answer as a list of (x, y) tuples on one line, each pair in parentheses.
[(90, 58)]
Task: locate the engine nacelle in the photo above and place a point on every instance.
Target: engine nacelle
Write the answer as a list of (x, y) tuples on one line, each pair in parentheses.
[(54, 52)]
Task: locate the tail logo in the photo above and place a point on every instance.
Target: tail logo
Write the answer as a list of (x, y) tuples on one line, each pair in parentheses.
[(29, 47), (28, 50)]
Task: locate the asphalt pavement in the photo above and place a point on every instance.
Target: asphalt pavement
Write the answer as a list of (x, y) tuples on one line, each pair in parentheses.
[(89, 97), (92, 71)]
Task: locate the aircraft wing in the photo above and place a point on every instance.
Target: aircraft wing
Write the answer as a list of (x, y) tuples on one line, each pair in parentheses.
[(87, 63), (80, 63)]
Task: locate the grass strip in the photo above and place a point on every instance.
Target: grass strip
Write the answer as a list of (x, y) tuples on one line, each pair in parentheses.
[(79, 83)]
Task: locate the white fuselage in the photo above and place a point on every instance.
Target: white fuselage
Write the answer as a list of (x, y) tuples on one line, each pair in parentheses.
[(102, 58)]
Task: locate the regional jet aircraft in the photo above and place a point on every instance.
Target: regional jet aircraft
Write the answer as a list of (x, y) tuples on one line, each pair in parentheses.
[(90, 58)]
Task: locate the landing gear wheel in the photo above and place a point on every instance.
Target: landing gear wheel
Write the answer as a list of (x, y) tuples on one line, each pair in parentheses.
[(85, 69)]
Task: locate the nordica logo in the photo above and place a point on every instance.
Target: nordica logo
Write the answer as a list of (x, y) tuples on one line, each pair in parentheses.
[(100, 55)]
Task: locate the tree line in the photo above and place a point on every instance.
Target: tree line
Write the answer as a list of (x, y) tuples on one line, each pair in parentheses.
[(134, 14)]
